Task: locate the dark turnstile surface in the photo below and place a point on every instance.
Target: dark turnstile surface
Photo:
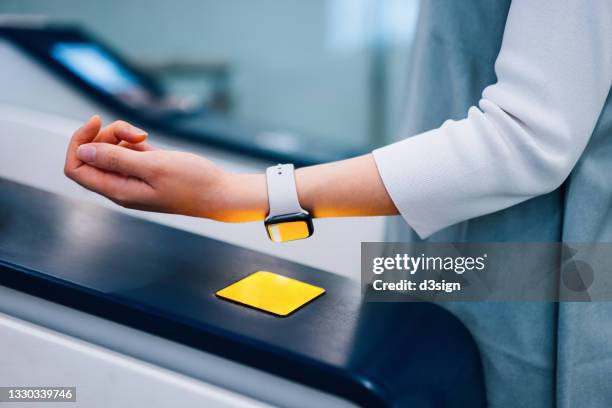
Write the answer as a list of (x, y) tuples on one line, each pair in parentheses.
[(162, 281)]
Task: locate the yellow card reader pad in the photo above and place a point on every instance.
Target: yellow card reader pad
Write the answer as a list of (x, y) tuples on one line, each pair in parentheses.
[(271, 292)]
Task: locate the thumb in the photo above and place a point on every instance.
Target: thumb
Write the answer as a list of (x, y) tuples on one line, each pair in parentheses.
[(116, 159), (84, 134)]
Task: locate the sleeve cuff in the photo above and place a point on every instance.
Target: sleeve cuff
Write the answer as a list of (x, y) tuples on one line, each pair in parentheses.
[(384, 158), (416, 183)]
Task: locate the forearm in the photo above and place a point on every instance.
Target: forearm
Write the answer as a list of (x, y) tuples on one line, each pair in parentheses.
[(344, 188), (139, 176), (340, 189)]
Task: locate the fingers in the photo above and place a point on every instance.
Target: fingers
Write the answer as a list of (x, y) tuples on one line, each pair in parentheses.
[(121, 131), (116, 159), (124, 190), (108, 169), (84, 134)]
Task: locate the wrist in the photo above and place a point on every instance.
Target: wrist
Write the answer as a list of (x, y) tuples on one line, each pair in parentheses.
[(304, 185), (244, 197)]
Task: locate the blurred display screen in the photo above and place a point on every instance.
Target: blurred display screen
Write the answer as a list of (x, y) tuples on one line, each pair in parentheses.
[(97, 67)]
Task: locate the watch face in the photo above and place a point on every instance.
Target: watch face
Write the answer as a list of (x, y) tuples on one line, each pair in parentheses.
[(289, 227)]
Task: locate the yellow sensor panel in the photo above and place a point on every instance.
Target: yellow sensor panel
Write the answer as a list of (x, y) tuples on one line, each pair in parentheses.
[(288, 231), (271, 292)]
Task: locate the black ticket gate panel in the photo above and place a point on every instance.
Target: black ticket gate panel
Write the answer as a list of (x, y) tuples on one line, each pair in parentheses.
[(163, 281)]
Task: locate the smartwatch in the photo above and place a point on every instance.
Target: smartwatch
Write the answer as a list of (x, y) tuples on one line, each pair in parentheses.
[(287, 220)]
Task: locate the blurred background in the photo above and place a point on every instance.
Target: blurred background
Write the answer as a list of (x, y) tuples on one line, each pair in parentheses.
[(245, 83), (330, 68)]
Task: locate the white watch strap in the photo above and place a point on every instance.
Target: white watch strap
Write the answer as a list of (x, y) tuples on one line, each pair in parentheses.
[(282, 192)]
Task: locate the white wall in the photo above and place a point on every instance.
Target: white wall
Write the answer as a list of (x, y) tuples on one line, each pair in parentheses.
[(102, 378)]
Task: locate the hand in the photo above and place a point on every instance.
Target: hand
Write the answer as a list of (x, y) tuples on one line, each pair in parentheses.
[(116, 161)]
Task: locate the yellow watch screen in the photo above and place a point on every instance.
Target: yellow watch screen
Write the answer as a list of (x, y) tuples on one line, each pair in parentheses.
[(288, 231), (271, 292)]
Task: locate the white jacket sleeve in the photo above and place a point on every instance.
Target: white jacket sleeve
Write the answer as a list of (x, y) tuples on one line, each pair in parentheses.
[(554, 71)]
